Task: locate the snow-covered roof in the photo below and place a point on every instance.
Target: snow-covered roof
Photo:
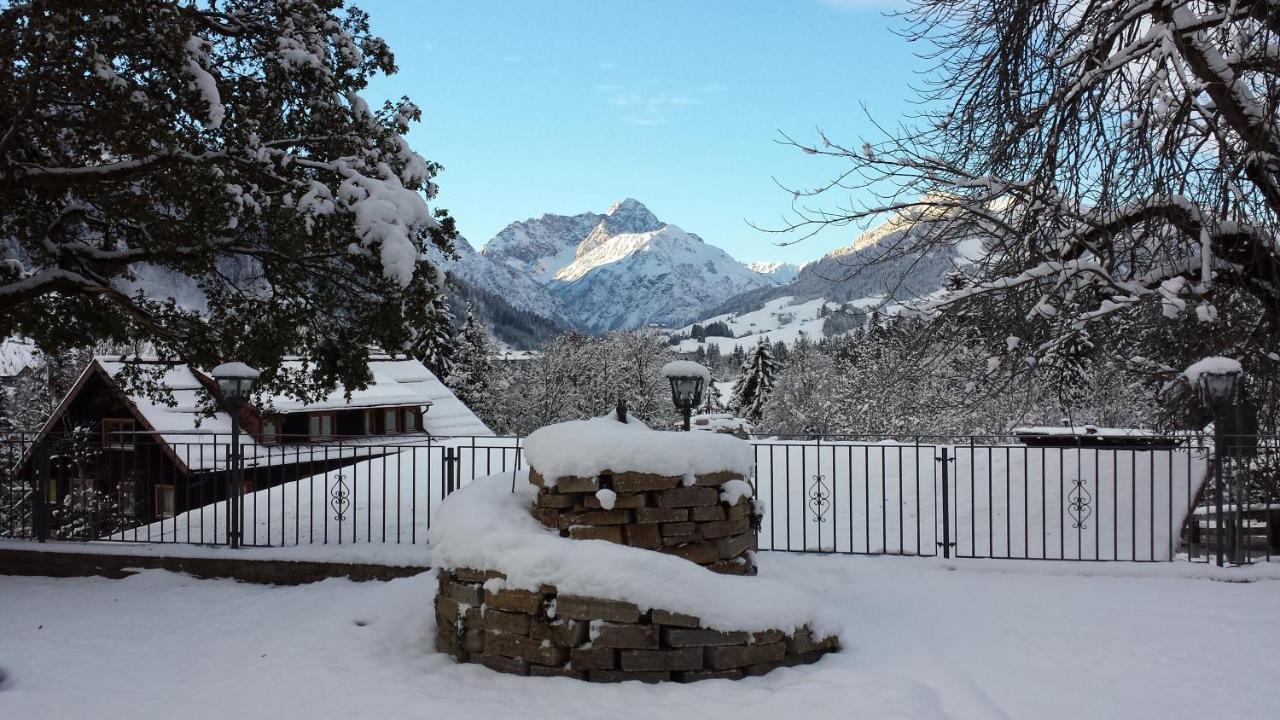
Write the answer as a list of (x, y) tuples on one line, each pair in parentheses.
[(396, 382), (587, 448), (17, 355), (720, 422), (1084, 430)]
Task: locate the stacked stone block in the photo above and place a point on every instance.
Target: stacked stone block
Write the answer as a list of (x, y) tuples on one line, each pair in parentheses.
[(655, 512), (545, 633)]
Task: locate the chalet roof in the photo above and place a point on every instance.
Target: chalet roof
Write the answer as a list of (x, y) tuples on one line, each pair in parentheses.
[(199, 440)]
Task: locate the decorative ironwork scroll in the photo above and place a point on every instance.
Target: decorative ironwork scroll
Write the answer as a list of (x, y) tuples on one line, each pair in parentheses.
[(819, 498), (338, 499), (1080, 503)]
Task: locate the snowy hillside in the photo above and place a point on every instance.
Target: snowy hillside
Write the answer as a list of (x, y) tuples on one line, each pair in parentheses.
[(779, 319), (851, 277)]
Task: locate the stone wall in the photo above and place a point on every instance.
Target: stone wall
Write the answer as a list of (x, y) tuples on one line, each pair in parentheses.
[(654, 512), (547, 634)]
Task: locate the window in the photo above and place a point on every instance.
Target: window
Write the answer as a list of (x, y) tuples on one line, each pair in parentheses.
[(117, 433), (411, 423), (51, 490), (127, 492), (271, 426), (164, 501), (370, 422), (321, 426), (389, 418)]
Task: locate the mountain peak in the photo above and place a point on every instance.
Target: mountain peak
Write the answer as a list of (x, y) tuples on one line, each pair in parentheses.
[(626, 205), (629, 216)]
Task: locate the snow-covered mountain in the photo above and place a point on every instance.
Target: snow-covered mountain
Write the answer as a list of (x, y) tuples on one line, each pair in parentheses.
[(621, 269), (780, 272), (541, 247), (512, 283)]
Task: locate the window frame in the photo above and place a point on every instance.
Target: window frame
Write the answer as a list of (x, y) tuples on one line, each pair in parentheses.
[(161, 491), (277, 422), (111, 429), (127, 490), (314, 416), (410, 420)]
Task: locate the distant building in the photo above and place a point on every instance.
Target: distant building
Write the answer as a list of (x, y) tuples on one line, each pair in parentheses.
[(510, 356)]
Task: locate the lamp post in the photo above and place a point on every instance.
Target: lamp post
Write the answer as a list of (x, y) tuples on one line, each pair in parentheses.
[(235, 384), (687, 379), (1215, 380)]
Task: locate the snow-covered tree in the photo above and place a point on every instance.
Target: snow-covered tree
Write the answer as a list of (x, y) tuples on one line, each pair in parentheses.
[(755, 382), (224, 147), (434, 342), (1109, 158), (802, 401), (471, 376), (579, 376)]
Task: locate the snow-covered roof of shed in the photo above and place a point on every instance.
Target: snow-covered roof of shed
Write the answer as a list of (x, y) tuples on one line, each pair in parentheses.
[(587, 448), (1087, 430)]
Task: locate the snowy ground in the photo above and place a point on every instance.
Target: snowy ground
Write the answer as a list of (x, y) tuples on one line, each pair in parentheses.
[(925, 639)]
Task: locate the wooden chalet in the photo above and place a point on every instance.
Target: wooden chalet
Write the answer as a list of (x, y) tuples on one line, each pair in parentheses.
[(154, 461)]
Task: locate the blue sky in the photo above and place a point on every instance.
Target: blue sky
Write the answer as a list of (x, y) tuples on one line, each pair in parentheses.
[(564, 106)]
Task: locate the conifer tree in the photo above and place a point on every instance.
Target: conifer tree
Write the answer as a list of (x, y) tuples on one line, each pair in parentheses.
[(754, 383), (801, 402), (433, 341), (471, 376)]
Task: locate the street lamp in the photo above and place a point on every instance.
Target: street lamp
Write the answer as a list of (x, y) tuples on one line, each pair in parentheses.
[(1215, 380), (235, 384), (687, 379)]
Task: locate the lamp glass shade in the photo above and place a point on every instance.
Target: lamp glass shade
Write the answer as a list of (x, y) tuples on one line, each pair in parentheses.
[(686, 392), (1217, 387), (235, 381)]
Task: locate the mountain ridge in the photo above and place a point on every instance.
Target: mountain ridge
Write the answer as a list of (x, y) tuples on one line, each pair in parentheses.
[(621, 269)]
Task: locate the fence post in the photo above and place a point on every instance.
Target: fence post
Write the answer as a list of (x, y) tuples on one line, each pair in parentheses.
[(450, 478), (946, 502), (40, 503)]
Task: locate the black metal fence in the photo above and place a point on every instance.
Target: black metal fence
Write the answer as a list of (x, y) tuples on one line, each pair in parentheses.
[(974, 497), (180, 488)]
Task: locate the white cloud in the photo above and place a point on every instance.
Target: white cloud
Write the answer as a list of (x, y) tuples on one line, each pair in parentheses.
[(645, 108)]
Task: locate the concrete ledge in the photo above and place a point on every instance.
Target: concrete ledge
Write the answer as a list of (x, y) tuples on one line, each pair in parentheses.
[(271, 572)]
